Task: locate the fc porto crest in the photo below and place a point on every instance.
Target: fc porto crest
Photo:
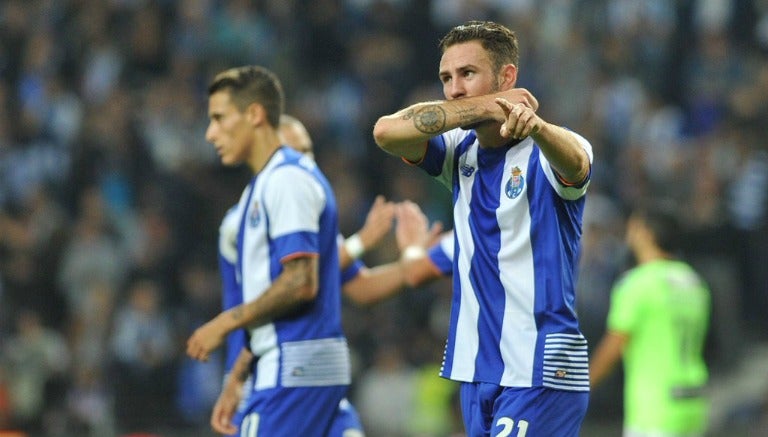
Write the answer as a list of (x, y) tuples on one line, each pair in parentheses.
[(255, 216), (515, 184)]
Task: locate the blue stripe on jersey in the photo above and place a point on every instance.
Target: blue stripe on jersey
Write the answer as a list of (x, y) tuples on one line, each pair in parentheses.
[(484, 271), (294, 243), (231, 297), (435, 156), (554, 272)]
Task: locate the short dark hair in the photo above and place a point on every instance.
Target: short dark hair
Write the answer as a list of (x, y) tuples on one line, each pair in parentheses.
[(497, 40), (662, 218), (252, 84)]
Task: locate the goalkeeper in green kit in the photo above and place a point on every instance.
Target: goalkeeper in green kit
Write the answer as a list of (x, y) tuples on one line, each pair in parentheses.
[(657, 322)]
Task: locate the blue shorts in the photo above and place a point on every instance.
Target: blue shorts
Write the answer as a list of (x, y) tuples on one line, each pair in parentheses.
[(492, 410), (304, 411)]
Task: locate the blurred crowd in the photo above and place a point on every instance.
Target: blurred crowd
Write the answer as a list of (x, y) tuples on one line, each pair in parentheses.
[(110, 198)]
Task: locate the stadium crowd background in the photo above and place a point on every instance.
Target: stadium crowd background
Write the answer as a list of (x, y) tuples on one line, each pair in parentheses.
[(110, 198)]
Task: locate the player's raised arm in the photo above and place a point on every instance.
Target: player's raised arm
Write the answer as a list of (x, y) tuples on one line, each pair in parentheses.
[(405, 132), (414, 235)]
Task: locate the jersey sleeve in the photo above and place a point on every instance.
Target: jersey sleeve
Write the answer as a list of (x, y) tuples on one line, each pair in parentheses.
[(441, 254), (293, 201), (569, 192), (438, 159)]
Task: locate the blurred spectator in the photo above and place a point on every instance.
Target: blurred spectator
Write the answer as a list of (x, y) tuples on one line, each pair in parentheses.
[(386, 393), (143, 348), (35, 362)]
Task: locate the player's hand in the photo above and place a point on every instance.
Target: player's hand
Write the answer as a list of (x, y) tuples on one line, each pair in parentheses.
[(520, 120), (225, 407), (520, 95), (378, 222), (413, 227), (205, 340)]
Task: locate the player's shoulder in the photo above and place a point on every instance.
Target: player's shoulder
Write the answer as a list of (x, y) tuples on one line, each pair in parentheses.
[(292, 172), (630, 280)]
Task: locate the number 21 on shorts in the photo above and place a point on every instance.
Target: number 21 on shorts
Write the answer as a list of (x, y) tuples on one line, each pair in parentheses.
[(508, 426)]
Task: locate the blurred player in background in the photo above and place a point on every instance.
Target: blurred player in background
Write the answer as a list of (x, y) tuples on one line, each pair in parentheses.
[(658, 321), (287, 269)]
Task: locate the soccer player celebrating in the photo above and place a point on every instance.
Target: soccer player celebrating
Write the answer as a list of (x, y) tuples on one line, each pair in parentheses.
[(519, 186)]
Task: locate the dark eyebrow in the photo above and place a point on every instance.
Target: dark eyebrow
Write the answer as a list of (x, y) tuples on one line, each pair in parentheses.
[(462, 68)]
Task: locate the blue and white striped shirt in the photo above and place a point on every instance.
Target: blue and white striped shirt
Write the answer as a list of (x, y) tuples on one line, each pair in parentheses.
[(517, 232), (289, 210)]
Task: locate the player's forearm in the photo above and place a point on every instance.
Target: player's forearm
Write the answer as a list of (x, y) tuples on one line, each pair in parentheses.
[(607, 355), (419, 270), (375, 284), (241, 368), (401, 133), (344, 259), (563, 152), (296, 285)]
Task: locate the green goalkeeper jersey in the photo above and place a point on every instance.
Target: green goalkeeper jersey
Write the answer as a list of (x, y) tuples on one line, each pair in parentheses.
[(664, 307)]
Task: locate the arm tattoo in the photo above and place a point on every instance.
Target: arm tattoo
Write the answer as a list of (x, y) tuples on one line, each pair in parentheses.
[(297, 272), (429, 120), (238, 312), (467, 115)]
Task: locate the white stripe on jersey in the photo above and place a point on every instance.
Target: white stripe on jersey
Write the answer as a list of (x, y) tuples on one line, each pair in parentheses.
[(267, 368), (467, 340)]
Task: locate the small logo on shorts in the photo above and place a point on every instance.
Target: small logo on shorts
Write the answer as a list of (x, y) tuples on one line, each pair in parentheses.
[(560, 373), (297, 371)]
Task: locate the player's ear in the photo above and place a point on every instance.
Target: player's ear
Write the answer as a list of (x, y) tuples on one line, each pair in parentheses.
[(508, 76), (256, 114)]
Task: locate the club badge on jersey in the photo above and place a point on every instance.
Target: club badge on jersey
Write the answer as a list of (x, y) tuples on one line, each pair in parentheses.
[(255, 216), (515, 184)]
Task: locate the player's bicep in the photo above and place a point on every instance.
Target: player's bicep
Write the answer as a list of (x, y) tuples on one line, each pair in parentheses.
[(301, 273)]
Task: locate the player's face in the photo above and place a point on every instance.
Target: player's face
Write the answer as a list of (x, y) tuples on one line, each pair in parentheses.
[(229, 130), (466, 70), (636, 232)]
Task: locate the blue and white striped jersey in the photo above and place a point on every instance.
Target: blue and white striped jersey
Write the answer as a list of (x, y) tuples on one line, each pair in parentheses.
[(517, 232), (289, 210)]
